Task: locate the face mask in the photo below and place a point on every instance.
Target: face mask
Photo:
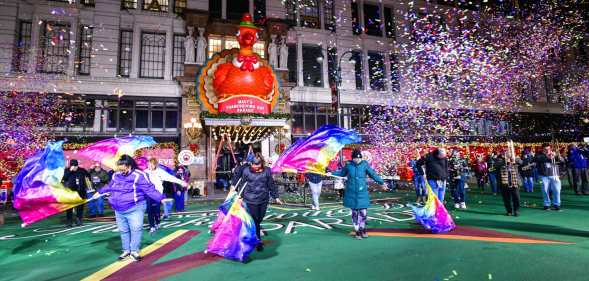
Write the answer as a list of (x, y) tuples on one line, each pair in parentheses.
[(357, 160)]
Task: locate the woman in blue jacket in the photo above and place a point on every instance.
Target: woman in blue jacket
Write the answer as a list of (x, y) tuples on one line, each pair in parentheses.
[(356, 195)]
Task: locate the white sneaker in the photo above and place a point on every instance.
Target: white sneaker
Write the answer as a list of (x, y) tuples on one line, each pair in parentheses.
[(135, 256), (463, 205), (456, 206), (152, 230), (124, 255)]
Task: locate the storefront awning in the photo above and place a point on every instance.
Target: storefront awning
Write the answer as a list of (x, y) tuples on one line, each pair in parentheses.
[(244, 130)]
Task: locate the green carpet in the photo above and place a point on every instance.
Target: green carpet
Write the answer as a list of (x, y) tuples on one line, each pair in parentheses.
[(300, 247)]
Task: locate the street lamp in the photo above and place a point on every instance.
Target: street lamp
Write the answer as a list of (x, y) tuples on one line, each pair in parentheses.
[(193, 128), (338, 83)]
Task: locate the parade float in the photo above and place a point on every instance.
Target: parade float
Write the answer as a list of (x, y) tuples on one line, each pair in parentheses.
[(238, 91)]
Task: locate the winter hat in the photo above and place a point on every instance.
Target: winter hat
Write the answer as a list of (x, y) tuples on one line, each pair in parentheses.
[(356, 153)]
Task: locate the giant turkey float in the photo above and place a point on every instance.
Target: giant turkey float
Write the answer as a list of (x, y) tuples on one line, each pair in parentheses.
[(238, 90)]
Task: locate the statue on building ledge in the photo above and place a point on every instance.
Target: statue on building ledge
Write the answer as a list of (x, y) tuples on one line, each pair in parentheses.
[(283, 54), (189, 47), (273, 51), (201, 47)]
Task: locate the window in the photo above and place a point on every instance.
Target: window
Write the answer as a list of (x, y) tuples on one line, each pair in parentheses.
[(80, 113), (22, 47), (214, 46), (155, 5), (125, 50), (389, 21), (259, 11), (395, 84), (157, 115), (376, 71), (141, 115), (236, 9), (179, 6), (312, 66), (217, 44), (153, 55), (179, 54), (356, 28), (332, 65), (215, 9), (231, 43), (329, 14), (260, 49), (54, 48), (292, 63), (309, 13), (359, 74), (372, 22), (85, 50), (291, 10), (128, 4), (308, 117), (171, 115)]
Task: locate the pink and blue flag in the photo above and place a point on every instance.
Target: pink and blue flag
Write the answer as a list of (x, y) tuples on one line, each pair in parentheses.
[(38, 191), (433, 215), (108, 151), (234, 230), (314, 153)]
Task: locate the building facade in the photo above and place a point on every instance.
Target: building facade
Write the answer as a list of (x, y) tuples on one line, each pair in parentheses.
[(118, 66)]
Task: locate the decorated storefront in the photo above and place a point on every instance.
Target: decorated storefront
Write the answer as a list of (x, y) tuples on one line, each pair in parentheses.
[(237, 103)]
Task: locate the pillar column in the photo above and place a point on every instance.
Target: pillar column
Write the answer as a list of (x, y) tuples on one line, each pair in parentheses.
[(300, 76)]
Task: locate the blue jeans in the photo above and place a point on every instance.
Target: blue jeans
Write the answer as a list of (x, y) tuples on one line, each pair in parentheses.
[(529, 184), (493, 182), (438, 187), (130, 224), (458, 191), (552, 184), (419, 182), (179, 201), (167, 206), (96, 206)]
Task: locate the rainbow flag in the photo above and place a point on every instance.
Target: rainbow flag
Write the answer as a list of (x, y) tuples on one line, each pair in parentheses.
[(433, 215), (234, 230), (38, 191), (314, 153), (108, 151)]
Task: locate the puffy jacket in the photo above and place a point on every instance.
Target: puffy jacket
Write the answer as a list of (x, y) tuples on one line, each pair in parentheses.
[(547, 167), (480, 168), (356, 192), (99, 179), (259, 186), (126, 191), (577, 159), (237, 173), (76, 181), (435, 168)]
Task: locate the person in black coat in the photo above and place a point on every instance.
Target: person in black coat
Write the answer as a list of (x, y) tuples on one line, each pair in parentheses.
[(436, 171), (76, 179), (258, 185), (509, 182)]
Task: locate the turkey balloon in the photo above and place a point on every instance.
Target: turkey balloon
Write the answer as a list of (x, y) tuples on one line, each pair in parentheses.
[(239, 80)]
